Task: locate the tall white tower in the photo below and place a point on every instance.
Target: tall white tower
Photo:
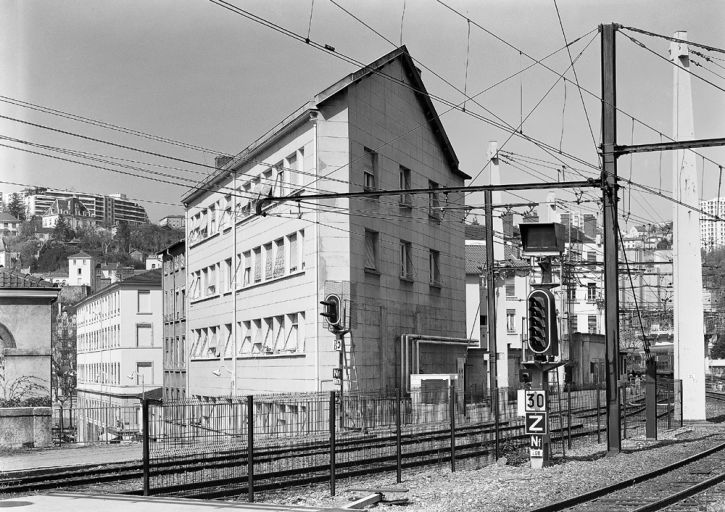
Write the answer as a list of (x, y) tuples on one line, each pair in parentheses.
[(689, 351)]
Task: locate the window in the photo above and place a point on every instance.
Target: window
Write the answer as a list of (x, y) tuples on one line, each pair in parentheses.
[(571, 294), (279, 337), (228, 349), (573, 324), (510, 286), (293, 257), (257, 264), (290, 344), (435, 269), (228, 273), (80, 271), (406, 260), (511, 321), (371, 249), (144, 335), (591, 292), (247, 257), (211, 277), (246, 345), (268, 333), (268, 261), (405, 199), (294, 177), (434, 209), (369, 165), (144, 301), (279, 260), (591, 256), (144, 373), (592, 324)]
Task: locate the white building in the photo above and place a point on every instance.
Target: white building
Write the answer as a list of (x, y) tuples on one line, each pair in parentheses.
[(255, 282), (119, 335), (105, 209), (9, 225), (81, 270), (712, 232)]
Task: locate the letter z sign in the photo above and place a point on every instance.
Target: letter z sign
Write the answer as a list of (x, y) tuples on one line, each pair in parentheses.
[(536, 423)]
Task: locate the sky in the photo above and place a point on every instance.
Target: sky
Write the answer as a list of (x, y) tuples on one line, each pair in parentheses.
[(196, 73)]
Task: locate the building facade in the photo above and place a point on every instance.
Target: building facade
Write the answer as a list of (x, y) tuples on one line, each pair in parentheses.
[(173, 221), (255, 282), (174, 293), (9, 225), (107, 210), (25, 335), (712, 232), (119, 341), (72, 211)]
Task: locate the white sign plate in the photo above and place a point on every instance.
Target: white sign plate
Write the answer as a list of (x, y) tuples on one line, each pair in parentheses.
[(535, 400), (536, 446)]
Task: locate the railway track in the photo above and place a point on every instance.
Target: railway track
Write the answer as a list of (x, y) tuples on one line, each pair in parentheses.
[(73, 476), (657, 490), (419, 449)]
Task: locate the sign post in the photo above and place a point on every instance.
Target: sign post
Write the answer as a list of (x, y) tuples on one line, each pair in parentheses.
[(537, 426)]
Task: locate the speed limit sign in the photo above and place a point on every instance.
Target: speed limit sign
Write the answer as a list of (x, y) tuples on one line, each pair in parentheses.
[(535, 400)]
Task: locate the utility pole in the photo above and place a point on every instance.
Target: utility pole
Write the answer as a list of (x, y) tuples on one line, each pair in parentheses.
[(609, 193), (491, 295), (687, 263)]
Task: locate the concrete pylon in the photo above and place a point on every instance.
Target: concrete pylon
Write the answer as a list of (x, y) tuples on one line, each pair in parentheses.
[(689, 352), (502, 368)]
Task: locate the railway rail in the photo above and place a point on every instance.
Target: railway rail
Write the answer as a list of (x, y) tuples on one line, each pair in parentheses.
[(420, 448), (655, 490)]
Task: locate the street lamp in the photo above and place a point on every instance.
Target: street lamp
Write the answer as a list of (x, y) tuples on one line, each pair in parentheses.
[(143, 384), (218, 372)]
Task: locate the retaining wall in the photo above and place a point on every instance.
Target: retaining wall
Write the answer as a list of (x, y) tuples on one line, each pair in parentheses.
[(25, 427)]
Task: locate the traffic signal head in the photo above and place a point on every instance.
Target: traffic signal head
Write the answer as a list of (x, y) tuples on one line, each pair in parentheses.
[(542, 322), (332, 310)]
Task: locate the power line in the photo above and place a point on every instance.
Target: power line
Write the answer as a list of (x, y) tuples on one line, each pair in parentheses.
[(673, 39)]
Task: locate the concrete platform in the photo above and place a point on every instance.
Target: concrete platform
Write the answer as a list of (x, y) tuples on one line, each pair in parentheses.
[(71, 502)]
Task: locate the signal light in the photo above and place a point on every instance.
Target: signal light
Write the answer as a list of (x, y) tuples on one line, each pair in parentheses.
[(543, 336), (331, 311)]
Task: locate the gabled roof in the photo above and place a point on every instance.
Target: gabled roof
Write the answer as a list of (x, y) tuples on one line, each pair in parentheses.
[(12, 279), (475, 258), (6, 217), (302, 115), (80, 255)]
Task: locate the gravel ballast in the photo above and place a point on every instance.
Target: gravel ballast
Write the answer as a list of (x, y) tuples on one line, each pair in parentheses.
[(511, 485)]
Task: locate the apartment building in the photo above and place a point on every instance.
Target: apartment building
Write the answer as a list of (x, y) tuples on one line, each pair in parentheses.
[(106, 210), (255, 282), (119, 342), (712, 231), (174, 308)]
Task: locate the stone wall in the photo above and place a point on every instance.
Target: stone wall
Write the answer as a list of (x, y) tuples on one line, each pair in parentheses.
[(25, 427)]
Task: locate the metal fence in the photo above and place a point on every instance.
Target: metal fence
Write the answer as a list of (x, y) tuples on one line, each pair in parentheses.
[(217, 446)]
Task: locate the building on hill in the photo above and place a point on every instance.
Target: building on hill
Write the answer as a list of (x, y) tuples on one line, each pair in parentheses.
[(72, 210), (25, 335), (119, 339), (396, 262), (82, 270), (9, 225), (107, 210), (173, 221)]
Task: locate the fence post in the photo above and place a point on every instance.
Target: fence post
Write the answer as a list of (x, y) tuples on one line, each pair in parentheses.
[(599, 424), (494, 397), (568, 415), (452, 414), (398, 443), (250, 448), (146, 454), (623, 394), (60, 433), (332, 442)]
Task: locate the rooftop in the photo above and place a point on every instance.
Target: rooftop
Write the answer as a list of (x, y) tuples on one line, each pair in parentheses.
[(12, 279)]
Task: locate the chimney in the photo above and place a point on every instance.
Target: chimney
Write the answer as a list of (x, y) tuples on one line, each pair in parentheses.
[(222, 160)]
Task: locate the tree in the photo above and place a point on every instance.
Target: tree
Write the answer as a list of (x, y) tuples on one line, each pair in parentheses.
[(718, 348), (61, 232), (16, 208), (150, 238), (123, 237)]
